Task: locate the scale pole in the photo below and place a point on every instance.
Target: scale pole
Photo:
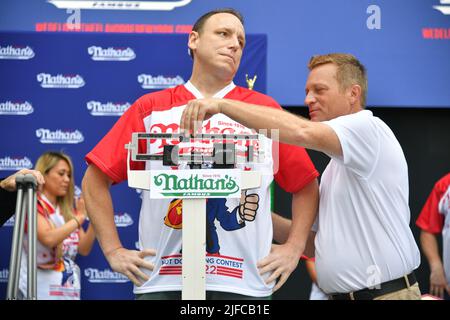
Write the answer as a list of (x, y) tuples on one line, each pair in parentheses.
[(194, 248)]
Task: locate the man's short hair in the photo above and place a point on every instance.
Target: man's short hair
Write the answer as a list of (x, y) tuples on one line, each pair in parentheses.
[(198, 25), (349, 71)]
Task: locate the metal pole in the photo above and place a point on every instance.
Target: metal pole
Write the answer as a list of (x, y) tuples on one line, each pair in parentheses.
[(194, 241), (16, 252), (32, 235)]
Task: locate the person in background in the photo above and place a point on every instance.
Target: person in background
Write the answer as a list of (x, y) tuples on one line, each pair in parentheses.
[(434, 219), (364, 248), (60, 232)]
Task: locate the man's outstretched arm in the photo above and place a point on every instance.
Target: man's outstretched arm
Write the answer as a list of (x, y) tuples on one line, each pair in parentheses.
[(292, 129)]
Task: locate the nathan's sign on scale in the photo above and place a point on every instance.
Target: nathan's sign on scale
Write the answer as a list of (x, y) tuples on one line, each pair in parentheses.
[(218, 183)]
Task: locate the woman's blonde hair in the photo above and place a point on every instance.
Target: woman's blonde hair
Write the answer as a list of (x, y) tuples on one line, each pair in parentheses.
[(44, 164)]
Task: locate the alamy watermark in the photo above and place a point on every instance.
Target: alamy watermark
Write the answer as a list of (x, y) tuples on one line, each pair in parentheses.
[(373, 22), (74, 20), (374, 277)]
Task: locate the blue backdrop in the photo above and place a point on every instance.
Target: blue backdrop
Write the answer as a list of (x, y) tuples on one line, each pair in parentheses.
[(65, 91), (405, 44)]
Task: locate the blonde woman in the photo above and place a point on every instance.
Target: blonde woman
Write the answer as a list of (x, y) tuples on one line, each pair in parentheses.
[(60, 233)]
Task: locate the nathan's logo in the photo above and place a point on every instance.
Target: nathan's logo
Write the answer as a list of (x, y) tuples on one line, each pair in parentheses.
[(13, 164), (60, 81), (111, 54), (4, 275), (216, 185), (160, 5), (104, 276), (16, 108), (174, 214), (16, 53), (59, 136), (107, 109), (123, 220), (148, 81)]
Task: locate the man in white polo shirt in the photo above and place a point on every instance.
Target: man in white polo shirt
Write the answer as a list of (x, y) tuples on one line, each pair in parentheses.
[(364, 245)]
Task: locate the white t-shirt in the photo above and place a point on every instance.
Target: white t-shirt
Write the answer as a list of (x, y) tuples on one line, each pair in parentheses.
[(363, 236)]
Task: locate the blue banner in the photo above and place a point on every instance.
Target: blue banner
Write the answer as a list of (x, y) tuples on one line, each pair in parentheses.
[(404, 44)]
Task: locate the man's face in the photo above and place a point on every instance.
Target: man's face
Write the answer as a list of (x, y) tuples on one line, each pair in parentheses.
[(219, 44), (323, 95)]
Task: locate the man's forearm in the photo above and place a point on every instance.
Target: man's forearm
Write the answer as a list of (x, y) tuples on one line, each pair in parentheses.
[(281, 226), (290, 128), (259, 117), (430, 249), (101, 214), (305, 205)]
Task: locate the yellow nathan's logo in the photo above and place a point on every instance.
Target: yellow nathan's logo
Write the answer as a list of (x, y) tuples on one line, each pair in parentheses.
[(174, 217)]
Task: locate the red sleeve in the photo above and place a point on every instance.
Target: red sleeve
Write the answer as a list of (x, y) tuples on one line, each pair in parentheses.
[(429, 219), (110, 155), (293, 168)]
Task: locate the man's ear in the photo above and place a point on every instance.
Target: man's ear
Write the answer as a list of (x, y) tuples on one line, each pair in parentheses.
[(193, 38), (355, 94)]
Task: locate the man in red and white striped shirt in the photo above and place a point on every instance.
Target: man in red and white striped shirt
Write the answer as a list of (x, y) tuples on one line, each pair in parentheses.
[(435, 219)]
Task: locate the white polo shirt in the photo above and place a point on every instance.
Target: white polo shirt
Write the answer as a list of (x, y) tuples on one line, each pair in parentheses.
[(363, 236)]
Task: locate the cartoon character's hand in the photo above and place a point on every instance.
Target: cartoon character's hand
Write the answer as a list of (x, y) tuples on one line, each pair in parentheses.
[(249, 206)]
